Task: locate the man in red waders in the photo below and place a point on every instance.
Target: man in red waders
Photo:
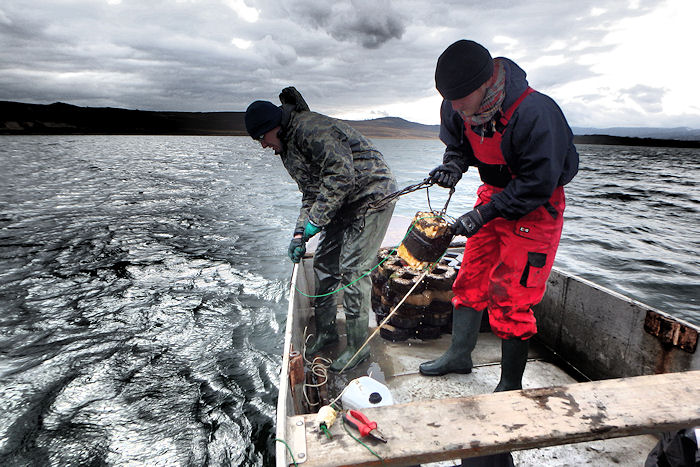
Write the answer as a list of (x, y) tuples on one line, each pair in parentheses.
[(523, 147)]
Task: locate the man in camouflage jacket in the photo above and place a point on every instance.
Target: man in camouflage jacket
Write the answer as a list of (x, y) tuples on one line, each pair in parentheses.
[(339, 173)]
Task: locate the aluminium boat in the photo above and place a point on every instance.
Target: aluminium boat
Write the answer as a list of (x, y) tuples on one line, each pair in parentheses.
[(605, 374)]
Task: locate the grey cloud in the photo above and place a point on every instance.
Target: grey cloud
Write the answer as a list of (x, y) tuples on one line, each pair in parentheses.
[(371, 26), (4, 19), (283, 54), (359, 55), (371, 23), (157, 56), (552, 76), (537, 26), (647, 97)]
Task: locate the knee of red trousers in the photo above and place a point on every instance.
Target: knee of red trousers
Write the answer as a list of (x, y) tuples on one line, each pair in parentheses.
[(465, 302), (512, 323)]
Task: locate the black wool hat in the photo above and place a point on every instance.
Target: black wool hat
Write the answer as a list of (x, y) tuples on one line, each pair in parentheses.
[(261, 117), (462, 68)]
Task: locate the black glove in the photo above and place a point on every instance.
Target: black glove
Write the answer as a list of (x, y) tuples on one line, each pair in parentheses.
[(446, 175), (297, 248), (471, 222)]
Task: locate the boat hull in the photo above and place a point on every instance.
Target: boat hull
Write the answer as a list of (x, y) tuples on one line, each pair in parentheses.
[(594, 333)]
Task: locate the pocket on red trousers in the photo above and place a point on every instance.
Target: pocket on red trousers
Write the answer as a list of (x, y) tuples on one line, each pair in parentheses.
[(539, 226), (534, 274)]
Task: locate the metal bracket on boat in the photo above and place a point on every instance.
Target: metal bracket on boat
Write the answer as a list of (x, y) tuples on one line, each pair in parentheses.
[(296, 434)]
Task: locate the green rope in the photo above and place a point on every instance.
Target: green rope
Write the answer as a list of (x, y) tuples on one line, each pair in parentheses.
[(289, 449), (375, 267), (325, 430), (358, 440)]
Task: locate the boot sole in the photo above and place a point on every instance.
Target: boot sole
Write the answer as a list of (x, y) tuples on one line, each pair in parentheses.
[(442, 373)]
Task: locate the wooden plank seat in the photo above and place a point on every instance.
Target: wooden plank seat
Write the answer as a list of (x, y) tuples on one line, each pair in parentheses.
[(439, 430)]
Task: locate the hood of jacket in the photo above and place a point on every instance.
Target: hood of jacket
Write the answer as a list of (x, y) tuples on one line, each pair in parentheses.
[(516, 82)]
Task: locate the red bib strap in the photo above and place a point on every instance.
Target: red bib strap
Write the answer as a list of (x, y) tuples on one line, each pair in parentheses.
[(511, 109), (488, 149)]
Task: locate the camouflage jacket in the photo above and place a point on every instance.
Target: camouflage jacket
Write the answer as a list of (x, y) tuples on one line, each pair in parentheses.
[(338, 171)]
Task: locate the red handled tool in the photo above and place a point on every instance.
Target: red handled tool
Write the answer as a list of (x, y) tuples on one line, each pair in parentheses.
[(361, 423)]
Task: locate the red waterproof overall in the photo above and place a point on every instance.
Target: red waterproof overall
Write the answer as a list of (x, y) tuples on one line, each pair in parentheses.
[(506, 263)]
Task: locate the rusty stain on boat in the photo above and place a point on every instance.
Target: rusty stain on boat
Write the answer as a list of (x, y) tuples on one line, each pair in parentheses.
[(670, 332)]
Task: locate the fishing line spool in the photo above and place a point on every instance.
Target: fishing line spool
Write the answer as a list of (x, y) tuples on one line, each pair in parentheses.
[(325, 418)]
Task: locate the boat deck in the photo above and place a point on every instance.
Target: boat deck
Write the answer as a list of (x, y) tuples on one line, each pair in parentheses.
[(396, 365), (642, 362)]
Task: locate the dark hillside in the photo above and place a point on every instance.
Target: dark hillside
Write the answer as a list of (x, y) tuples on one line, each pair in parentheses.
[(60, 119), (629, 141)]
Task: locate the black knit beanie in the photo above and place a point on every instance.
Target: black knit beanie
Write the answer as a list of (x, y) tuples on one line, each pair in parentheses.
[(261, 117), (462, 68)]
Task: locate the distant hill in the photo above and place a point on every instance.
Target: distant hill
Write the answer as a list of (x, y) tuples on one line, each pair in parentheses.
[(394, 127), (681, 133), (628, 141), (59, 118)]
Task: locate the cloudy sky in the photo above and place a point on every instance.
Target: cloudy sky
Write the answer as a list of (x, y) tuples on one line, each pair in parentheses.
[(606, 62)]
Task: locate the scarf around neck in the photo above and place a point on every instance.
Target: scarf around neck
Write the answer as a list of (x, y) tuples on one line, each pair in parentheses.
[(493, 98)]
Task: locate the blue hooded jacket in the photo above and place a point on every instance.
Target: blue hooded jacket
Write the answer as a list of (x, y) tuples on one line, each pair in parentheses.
[(537, 146)]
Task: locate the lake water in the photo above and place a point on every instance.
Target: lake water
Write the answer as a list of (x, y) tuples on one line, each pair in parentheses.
[(143, 283)]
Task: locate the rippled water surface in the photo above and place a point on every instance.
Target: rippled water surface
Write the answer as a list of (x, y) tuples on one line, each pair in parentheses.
[(143, 283)]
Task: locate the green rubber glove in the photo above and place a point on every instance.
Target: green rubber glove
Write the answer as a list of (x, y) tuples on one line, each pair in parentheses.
[(297, 248), (310, 230)]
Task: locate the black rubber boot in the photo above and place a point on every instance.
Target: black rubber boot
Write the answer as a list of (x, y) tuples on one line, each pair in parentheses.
[(513, 360), (503, 459), (458, 358), (358, 331), (326, 332)]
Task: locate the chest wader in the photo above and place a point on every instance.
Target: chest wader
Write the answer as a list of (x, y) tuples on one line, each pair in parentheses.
[(466, 320), (343, 256), (513, 350)]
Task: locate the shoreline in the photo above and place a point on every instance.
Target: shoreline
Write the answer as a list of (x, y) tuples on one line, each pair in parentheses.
[(65, 119)]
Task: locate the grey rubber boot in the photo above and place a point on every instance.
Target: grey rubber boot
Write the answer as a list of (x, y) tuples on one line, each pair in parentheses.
[(326, 332), (358, 331), (458, 358), (513, 360)]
